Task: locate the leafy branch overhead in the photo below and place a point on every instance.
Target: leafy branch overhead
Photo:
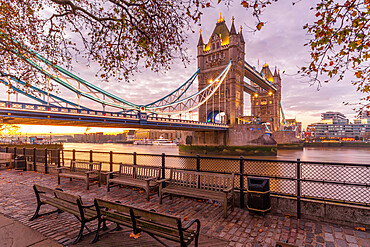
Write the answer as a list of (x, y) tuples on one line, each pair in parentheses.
[(117, 34), (340, 44), (120, 35)]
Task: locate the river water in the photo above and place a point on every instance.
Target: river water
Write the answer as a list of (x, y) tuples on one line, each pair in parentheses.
[(327, 154)]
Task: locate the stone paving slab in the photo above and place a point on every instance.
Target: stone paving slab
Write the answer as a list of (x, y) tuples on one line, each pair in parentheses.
[(240, 228), (15, 234)]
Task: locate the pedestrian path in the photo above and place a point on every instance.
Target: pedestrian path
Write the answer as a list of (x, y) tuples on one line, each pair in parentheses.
[(240, 228), (16, 234)]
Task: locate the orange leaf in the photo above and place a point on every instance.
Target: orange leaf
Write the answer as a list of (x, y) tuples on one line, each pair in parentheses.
[(245, 4), (186, 218), (260, 230), (260, 25), (361, 229), (133, 235)]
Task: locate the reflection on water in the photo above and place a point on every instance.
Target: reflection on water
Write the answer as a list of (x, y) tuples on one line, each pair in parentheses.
[(340, 154)]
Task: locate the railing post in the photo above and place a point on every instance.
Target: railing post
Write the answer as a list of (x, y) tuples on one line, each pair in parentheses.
[(163, 165), (25, 157), (91, 156), (241, 182), (58, 158), (111, 161), (63, 157), (6, 149), (298, 188), (46, 160), (73, 154), (34, 159), (198, 170), (134, 157), (15, 155)]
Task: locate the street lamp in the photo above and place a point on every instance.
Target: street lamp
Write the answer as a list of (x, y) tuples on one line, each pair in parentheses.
[(50, 138)]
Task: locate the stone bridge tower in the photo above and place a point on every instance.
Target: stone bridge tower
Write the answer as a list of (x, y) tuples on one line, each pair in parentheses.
[(266, 105), (213, 57)]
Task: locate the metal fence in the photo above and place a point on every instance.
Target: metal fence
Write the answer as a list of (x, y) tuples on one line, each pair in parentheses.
[(321, 181)]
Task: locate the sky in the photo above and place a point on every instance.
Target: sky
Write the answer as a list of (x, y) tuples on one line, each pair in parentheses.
[(280, 43)]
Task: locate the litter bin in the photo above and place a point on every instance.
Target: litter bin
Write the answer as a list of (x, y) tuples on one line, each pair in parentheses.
[(20, 162), (259, 194)]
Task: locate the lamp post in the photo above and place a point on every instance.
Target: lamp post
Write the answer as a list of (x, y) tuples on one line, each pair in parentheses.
[(50, 138)]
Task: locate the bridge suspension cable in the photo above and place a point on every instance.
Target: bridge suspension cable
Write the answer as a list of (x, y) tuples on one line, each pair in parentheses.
[(194, 101), (174, 103)]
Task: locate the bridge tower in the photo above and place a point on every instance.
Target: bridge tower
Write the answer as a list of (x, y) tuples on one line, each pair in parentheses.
[(266, 105), (213, 56)]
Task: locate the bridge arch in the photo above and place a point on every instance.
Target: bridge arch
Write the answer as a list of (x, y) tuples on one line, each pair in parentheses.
[(216, 116)]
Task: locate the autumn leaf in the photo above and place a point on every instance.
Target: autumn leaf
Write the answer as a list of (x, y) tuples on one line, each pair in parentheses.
[(135, 236), (245, 4), (360, 229), (186, 218), (260, 25)]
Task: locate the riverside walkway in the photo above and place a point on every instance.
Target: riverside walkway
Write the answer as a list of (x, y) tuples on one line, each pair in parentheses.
[(240, 228)]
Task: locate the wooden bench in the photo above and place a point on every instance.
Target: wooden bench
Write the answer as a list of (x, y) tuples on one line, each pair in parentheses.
[(5, 159), (155, 224), (64, 202), (144, 177), (203, 185), (82, 170)]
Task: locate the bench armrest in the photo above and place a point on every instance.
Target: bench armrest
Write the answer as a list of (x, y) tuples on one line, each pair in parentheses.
[(108, 173), (88, 172), (228, 190), (61, 168), (191, 223), (163, 180), (150, 179), (88, 206)]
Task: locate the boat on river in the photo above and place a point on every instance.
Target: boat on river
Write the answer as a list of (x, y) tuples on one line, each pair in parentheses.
[(164, 142)]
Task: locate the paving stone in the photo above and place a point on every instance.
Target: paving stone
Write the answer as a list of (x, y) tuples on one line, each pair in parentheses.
[(329, 244), (319, 239), (341, 243), (351, 239), (329, 237)]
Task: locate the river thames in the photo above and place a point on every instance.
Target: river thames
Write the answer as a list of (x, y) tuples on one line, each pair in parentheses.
[(327, 154)]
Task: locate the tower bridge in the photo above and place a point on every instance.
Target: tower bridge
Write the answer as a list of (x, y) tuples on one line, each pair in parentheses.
[(218, 98)]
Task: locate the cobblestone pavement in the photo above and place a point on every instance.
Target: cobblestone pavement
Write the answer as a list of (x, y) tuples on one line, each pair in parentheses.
[(240, 228)]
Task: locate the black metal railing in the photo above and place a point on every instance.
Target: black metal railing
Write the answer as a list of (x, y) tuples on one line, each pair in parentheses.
[(321, 181)]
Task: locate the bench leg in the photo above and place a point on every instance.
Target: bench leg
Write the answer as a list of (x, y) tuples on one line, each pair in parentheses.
[(58, 179), (97, 231), (36, 213), (147, 193), (80, 233), (108, 189), (160, 196), (87, 185)]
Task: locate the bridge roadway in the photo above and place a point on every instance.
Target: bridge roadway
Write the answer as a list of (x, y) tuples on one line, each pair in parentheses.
[(25, 113)]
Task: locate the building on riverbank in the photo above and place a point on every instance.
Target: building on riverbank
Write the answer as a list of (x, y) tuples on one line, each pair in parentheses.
[(334, 126)]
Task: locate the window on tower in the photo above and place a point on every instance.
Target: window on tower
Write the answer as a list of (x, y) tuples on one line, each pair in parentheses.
[(213, 46)]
